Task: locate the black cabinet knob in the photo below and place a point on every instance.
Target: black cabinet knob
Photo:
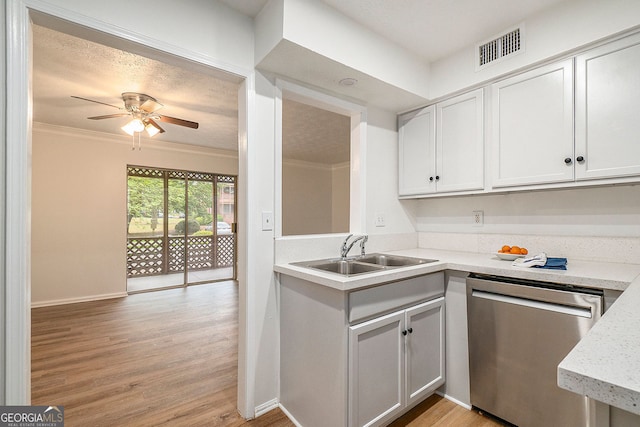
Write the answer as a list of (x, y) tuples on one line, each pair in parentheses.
[(410, 330), (580, 159), (568, 160), (430, 178), (437, 177), (404, 332)]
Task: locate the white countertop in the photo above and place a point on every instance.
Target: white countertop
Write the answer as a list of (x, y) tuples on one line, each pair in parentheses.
[(605, 365), (579, 273)]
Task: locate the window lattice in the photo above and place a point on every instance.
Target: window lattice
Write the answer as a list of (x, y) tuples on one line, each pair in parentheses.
[(144, 256), (200, 252), (144, 172), (176, 254), (226, 250)]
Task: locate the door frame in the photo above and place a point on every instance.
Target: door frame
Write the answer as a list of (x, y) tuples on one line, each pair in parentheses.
[(20, 14)]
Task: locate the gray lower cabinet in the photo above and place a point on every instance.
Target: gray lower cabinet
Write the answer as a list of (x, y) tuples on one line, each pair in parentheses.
[(395, 361), (359, 358)]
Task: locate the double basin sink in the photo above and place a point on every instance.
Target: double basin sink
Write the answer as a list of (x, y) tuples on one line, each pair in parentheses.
[(363, 264)]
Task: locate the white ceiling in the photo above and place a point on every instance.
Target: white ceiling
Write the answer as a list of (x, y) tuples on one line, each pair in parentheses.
[(65, 65), (432, 29)]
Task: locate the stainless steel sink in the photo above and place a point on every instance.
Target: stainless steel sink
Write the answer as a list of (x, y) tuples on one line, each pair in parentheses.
[(393, 260), (346, 267), (363, 264)]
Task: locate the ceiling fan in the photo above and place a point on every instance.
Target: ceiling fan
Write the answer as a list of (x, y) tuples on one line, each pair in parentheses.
[(142, 109)]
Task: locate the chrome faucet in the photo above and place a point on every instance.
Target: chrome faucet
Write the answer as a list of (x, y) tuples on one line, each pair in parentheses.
[(344, 249)]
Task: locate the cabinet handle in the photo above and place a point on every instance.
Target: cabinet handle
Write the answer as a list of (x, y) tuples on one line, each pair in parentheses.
[(437, 177), (404, 332), (410, 330), (580, 159), (568, 160), (430, 178)]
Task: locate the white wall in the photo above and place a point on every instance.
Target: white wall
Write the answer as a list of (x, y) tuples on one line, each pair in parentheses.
[(3, 343), (600, 224), (79, 205), (382, 176), (567, 26), (262, 304), (603, 211), (207, 28), (320, 28)]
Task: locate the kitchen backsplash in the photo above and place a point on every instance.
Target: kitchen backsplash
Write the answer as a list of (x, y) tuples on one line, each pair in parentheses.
[(607, 249)]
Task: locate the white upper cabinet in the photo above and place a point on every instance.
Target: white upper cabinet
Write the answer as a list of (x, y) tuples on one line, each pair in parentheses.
[(441, 147), (417, 162), (532, 127), (460, 143), (608, 110)]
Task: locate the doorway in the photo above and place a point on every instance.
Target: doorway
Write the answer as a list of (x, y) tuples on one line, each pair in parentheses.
[(18, 159), (180, 228)]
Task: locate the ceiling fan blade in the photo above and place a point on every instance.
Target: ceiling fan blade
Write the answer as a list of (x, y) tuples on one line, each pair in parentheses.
[(150, 106), (108, 116), (154, 124), (97, 102), (179, 122)]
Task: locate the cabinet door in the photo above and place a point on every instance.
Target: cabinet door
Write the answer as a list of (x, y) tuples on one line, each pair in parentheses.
[(376, 370), (425, 349), (416, 152), (607, 110), (460, 143), (532, 133)]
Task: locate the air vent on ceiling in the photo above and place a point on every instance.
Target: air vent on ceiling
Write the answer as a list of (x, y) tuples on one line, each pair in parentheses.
[(500, 47)]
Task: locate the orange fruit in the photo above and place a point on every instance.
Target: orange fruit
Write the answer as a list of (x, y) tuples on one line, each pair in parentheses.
[(524, 251), (505, 248), (515, 250)]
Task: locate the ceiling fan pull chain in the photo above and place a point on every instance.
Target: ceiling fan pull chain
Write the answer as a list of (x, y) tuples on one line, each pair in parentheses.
[(139, 141), (133, 142)]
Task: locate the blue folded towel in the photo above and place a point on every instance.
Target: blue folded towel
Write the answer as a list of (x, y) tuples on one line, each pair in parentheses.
[(554, 264)]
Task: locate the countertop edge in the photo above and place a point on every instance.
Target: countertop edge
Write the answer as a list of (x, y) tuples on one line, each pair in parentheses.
[(605, 364)]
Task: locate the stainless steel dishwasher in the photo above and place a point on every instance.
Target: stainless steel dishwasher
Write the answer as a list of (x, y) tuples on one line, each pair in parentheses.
[(519, 331)]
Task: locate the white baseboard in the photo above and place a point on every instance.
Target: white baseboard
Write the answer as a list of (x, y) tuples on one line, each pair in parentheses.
[(291, 417), (266, 407), (78, 299), (454, 400)]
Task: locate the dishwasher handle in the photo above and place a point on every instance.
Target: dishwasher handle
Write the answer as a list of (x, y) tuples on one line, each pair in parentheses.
[(532, 303)]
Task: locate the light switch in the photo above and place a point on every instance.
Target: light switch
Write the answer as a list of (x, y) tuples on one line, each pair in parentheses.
[(267, 221)]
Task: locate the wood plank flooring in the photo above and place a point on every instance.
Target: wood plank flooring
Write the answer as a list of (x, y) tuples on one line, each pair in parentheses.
[(165, 358)]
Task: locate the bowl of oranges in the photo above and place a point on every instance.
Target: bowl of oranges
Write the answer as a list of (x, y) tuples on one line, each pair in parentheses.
[(510, 253)]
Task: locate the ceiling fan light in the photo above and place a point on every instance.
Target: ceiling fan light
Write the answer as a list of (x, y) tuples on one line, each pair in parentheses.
[(133, 126), (151, 130)]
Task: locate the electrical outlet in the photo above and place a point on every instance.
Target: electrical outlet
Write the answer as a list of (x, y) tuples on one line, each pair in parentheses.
[(478, 218), (379, 220)]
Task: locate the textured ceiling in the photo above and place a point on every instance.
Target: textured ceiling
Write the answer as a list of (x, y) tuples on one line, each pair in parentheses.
[(330, 141), (65, 65)]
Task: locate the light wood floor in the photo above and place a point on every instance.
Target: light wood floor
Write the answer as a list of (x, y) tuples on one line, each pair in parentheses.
[(162, 358)]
